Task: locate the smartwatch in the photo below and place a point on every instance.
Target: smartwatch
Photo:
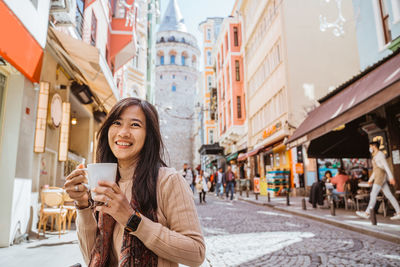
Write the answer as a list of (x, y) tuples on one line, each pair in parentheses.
[(133, 222)]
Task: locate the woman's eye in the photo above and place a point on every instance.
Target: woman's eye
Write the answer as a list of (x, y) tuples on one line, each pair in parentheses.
[(116, 123), (135, 124)]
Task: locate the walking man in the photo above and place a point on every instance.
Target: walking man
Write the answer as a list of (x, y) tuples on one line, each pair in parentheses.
[(229, 181), (380, 175)]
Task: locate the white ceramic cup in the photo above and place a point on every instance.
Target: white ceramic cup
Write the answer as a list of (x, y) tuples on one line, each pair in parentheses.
[(101, 172)]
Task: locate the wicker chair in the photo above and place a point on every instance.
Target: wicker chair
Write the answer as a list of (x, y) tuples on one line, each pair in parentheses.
[(52, 207)]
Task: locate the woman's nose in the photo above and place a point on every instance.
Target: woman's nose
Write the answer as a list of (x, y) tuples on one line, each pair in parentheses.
[(124, 132)]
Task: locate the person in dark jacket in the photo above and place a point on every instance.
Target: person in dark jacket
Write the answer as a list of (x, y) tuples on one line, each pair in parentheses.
[(317, 194)]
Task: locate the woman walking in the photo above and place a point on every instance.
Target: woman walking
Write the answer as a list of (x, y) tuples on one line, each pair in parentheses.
[(149, 218), (201, 186)]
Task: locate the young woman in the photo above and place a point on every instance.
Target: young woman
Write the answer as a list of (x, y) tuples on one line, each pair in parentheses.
[(149, 218), (201, 186)]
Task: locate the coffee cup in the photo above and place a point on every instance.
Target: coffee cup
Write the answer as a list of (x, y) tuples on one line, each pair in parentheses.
[(101, 172)]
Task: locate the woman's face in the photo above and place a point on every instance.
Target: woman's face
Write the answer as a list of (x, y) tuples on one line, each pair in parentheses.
[(328, 175), (127, 134)]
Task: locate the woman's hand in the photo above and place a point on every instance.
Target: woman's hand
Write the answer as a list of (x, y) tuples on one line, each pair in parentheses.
[(116, 203), (76, 189)]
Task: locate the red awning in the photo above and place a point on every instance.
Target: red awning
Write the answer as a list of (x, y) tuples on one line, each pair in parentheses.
[(370, 91)]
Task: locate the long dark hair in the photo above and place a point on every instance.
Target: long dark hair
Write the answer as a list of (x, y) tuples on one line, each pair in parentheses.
[(150, 157)]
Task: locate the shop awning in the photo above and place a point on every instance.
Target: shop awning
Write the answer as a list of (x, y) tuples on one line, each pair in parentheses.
[(349, 142), (213, 149), (88, 60), (231, 156), (364, 93)]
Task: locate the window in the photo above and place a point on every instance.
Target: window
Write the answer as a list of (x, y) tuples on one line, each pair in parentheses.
[(161, 77), (237, 70), (183, 60), (385, 21), (172, 59), (173, 76), (239, 107), (235, 36), (93, 30), (208, 34), (209, 81), (183, 40), (80, 6), (162, 40), (209, 58), (171, 39), (185, 77), (162, 60), (211, 137), (173, 88)]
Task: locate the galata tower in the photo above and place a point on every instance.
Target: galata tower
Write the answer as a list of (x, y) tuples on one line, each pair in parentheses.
[(176, 84)]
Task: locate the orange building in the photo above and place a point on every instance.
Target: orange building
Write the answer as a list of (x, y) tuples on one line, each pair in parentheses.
[(230, 88)]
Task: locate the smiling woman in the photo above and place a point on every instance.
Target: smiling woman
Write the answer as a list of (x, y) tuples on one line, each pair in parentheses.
[(150, 217)]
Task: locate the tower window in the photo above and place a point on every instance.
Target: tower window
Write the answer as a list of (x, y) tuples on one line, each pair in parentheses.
[(161, 77), (172, 59), (173, 88), (173, 76), (162, 60)]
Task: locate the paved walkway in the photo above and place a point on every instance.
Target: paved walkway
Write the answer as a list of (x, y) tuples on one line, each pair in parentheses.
[(385, 229)]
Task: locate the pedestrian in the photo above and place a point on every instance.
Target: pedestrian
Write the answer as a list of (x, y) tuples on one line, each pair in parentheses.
[(229, 181), (219, 189), (381, 173), (201, 186), (188, 175), (140, 223)]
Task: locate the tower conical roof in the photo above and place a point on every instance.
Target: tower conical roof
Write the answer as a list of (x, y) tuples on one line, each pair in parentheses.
[(173, 19)]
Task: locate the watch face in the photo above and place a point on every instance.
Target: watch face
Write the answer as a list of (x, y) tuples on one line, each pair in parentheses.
[(56, 110)]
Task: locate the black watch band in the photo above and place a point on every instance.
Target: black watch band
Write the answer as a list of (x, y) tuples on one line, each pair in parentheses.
[(133, 222)]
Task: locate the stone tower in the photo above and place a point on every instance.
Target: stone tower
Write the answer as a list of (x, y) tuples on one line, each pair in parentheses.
[(176, 85)]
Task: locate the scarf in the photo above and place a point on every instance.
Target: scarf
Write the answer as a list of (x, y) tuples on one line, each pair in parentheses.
[(133, 251)]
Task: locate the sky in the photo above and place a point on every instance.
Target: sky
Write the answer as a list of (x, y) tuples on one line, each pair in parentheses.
[(196, 11)]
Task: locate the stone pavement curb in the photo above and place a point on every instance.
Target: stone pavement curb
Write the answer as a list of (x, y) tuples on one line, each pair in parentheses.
[(376, 234)]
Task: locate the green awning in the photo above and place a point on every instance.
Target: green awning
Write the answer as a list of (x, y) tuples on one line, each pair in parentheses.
[(232, 156)]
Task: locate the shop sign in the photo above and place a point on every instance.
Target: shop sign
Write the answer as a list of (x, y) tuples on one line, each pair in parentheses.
[(271, 130), (396, 156), (299, 168), (256, 185)]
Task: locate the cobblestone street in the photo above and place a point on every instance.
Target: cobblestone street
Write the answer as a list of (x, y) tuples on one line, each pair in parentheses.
[(243, 234)]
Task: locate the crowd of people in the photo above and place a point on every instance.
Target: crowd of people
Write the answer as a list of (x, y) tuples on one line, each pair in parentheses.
[(220, 182)]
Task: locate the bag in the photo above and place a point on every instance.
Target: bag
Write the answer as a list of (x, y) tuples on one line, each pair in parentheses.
[(199, 187)]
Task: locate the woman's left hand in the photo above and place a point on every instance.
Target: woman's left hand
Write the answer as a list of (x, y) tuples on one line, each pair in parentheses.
[(118, 205)]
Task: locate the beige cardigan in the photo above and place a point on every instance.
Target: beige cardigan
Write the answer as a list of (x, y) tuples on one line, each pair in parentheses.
[(176, 238)]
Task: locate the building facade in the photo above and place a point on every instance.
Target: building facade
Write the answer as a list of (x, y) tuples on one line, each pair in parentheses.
[(290, 61), (57, 83), (207, 99), (176, 81)]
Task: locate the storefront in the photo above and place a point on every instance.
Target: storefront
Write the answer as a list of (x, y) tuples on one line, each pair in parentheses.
[(23, 37), (364, 109)]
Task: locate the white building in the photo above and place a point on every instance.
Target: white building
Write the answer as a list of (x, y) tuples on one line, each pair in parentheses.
[(176, 80)]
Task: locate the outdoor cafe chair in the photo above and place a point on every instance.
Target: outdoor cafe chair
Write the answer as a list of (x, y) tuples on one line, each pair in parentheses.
[(70, 207), (52, 207)]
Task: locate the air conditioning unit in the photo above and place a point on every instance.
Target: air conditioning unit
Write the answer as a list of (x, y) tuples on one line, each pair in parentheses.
[(63, 11)]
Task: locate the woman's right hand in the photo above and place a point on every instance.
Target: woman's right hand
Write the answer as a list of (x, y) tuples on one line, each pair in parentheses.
[(76, 189)]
